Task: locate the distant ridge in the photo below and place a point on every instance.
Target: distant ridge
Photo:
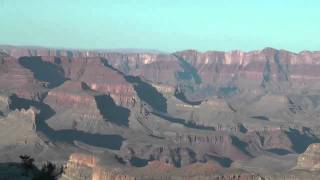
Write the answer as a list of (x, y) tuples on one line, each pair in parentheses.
[(138, 50), (119, 50)]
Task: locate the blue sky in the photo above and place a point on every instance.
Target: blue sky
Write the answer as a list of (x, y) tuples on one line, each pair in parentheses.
[(167, 25)]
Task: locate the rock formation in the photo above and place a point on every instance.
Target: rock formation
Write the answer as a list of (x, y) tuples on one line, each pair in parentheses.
[(310, 159), (127, 115), (23, 123)]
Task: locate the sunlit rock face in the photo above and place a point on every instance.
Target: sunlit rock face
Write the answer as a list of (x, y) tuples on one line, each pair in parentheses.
[(86, 167), (75, 106), (310, 159), (71, 93), (266, 66), (212, 71)]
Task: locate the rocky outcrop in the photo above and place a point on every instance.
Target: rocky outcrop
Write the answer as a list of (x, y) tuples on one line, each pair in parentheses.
[(310, 159), (81, 166), (70, 94), (86, 167), (4, 104), (79, 107), (188, 149), (16, 79), (269, 139), (94, 72), (158, 68), (23, 123)]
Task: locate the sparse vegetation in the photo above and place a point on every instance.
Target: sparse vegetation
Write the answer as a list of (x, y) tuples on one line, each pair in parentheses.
[(27, 161), (27, 164), (48, 171)]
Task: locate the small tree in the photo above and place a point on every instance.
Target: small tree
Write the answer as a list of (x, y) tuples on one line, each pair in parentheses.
[(49, 171), (27, 163)]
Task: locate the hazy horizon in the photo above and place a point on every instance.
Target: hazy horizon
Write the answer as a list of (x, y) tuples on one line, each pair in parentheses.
[(161, 25)]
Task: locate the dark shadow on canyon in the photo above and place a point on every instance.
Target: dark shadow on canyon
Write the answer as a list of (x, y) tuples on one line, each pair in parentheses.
[(188, 84), (242, 128), (44, 71), (263, 118), (279, 151), (111, 112), (148, 93), (241, 145), (12, 170), (156, 100), (69, 136), (223, 161), (189, 72), (227, 91), (57, 60), (145, 91), (181, 96), (27, 169), (301, 140), (188, 124), (138, 162)]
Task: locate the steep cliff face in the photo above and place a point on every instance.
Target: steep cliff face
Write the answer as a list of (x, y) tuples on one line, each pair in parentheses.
[(89, 67), (158, 68), (56, 69), (206, 73), (94, 72), (16, 79), (103, 79), (73, 76), (269, 68), (70, 94), (75, 107), (224, 72), (252, 62)]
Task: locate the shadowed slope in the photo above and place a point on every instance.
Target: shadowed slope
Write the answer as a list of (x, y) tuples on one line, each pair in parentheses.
[(111, 111), (301, 141), (148, 93), (106, 141), (145, 91), (44, 71)]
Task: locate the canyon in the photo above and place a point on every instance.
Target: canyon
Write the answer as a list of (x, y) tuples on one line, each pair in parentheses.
[(186, 115)]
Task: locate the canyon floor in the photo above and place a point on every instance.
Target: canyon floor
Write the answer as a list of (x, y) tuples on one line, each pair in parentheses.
[(149, 115)]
